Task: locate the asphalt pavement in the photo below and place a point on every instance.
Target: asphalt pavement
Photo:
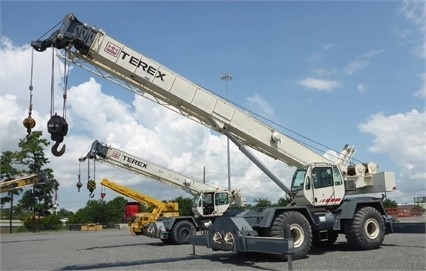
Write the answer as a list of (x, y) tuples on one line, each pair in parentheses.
[(118, 250)]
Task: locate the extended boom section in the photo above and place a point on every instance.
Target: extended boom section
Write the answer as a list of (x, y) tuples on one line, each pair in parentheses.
[(21, 182), (121, 159), (108, 54)]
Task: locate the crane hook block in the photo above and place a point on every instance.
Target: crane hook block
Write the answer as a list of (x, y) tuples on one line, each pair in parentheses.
[(57, 126), (29, 123), (91, 186), (79, 185)]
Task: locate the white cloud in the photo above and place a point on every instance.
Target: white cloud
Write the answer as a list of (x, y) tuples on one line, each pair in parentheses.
[(327, 46), (356, 66), (139, 127), (415, 13), (319, 84), (362, 61), (402, 137), (421, 92), (318, 55), (261, 106), (362, 88), (324, 72), (372, 53)]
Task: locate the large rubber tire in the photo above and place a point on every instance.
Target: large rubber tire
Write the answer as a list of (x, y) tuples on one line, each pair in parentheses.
[(182, 231), (366, 230), (300, 229)]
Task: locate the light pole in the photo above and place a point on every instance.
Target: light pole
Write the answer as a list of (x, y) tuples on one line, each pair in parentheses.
[(226, 77)]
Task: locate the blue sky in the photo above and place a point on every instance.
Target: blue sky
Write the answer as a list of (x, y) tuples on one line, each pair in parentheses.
[(336, 72)]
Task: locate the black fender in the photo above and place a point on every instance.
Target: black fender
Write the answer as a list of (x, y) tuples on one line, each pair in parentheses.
[(169, 222), (264, 217), (349, 206)]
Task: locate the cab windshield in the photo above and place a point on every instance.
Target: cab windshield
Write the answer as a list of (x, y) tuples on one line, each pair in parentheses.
[(298, 180)]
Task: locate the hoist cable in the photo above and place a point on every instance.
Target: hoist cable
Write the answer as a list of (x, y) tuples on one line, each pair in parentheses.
[(300, 135), (55, 26), (52, 82), (29, 122), (94, 169), (88, 169), (66, 72), (79, 171), (30, 108)]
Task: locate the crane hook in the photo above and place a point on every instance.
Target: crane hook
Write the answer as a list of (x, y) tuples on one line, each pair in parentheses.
[(55, 147), (57, 126), (91, 186)]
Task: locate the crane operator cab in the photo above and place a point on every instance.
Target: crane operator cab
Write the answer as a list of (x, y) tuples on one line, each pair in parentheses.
[(211, 204), (318, 185)]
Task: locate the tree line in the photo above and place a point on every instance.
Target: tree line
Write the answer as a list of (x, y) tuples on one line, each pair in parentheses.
[(37, 209), (36, 206)]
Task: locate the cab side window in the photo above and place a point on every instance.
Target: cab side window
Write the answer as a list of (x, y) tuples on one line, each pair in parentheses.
[(337, 176), (221, 198), (322, 177)]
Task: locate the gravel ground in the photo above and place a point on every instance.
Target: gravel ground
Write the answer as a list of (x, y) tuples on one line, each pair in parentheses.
[(117, 250)]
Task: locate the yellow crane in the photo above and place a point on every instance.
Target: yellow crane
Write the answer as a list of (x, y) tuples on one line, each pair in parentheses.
[(162, 209), (16, 183)]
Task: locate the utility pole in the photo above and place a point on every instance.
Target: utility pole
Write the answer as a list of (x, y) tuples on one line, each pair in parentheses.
[(227, 77)]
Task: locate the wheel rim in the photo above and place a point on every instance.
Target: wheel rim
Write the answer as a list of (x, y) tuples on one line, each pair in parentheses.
[(297, 234), (371, 228), (184, 233)]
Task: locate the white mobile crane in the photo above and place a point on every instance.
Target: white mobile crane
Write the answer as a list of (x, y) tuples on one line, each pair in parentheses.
[(161, 209), (327, 197), (210, 201)]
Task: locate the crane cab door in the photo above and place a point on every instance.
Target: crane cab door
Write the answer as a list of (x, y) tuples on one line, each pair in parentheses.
[(213, 203), (327, 186)]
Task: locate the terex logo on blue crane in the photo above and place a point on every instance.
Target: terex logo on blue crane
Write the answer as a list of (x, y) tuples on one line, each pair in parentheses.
[(115, 50)]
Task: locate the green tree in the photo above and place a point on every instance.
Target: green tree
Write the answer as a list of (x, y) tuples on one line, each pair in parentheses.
[(8, 172), (51, 222), (95, 212), (64, 213), (100, 211), (115, 209), (185, 206), (259, 202), (388, 203), (78, 217), (282, 202), (38, 200)]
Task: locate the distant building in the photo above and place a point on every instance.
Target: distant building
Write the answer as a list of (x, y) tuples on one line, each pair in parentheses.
[(5, 225)]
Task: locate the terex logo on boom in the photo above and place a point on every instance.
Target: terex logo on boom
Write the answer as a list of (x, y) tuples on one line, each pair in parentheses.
[(115, 50), (133, 161), (145, 67)]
